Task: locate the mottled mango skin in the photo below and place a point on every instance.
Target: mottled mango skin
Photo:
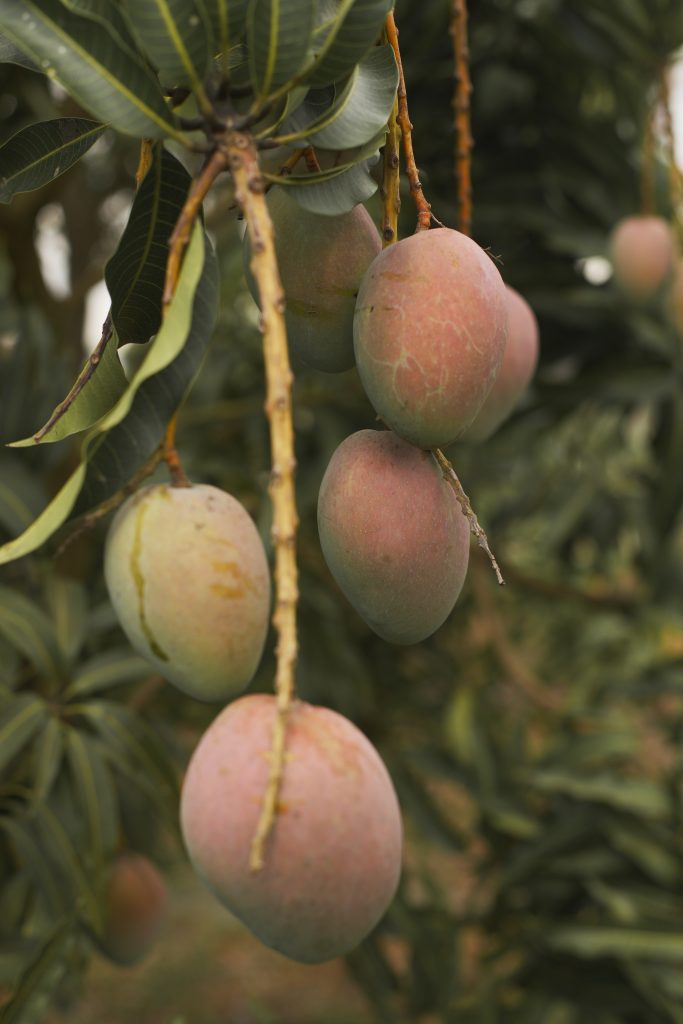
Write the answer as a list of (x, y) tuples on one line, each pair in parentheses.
[(642, 252), (393, 535), (516, 370), (333, 860), (321, 261), (429, 331), (188, 577), (136, 905)]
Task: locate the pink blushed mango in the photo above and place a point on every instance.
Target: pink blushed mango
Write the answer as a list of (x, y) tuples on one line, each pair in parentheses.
[(517, 369), (642, 251), (393, 535), (333, 859), (429, 333), (136, 904)]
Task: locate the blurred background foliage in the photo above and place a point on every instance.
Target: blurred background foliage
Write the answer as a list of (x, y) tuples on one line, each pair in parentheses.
[(535, 740)]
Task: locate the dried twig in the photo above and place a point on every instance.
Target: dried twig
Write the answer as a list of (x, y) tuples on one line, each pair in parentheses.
[(451, 477), (391, 180), (249, 192), (461, 106), (424, 214)]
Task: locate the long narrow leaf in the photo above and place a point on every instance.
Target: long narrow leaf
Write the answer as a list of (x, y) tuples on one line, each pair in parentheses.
[(278, 35), (27, 627), (39, 153), (176, 35), (20, 720), (89, 61)]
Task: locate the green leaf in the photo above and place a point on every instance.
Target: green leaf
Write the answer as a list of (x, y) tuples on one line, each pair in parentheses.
[(121, 728), (42, 975), (92, 65), (346, 35), (359, 111), (337, 189), (136, 272), (39, 153), (640, 796), (278, 36), (32, 859), (176, 35), (21, 494), (11, 54), (598, 941), (20, 720), (96, 791), (105, 671), (229, 20), (27, 627), (48, 758), (126, 437), (110, 16), (67, 601)]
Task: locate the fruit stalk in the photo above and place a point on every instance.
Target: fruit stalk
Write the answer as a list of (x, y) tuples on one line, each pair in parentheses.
[(461, 106), (391, 180), (451, 477), (249, 186), (424, 209), (675, 177)]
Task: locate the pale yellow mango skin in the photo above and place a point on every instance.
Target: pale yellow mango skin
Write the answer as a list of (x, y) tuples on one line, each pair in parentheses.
[(188, 577), (430, 329), (333, 859), (321, 262), (642, 250), (515, 373)]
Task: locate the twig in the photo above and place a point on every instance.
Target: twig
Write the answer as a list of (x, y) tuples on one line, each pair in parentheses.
[(451, 477), (424, 214), (83, 378), (675, 179), (461, 106), (171, 457), (311, 160), (249, 186), (180, 237), (93, 517), (391, 181), (144, 161)]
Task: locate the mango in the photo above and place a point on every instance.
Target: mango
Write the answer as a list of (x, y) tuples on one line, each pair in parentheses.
[(136, 904), (321, 261), (641, 249), (393, 535), (517, 369), (188, 578), (429, 331), (333, 859)]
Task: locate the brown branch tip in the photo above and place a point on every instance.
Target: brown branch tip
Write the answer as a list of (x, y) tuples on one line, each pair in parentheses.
[(451, 477), (461, 108), (242, 160)]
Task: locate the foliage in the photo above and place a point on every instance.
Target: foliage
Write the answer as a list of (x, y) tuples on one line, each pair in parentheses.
[(535, 740)]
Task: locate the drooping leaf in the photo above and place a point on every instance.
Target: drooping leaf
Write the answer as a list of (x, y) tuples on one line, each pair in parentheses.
[(48, 758), (136, 272), (111, 16), (46, 969), (122, 729), (96, 389), (345, 36), (96, 791), (67, 601), (90, 62), (11, 54), (133, 429), (229, 19), (106, 671), (22, 494), (39, 153), (600, 941), (32, 859), (638, 795), (20, 720), (359, 111), (27, 627), (278, 36), (176, 35)]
